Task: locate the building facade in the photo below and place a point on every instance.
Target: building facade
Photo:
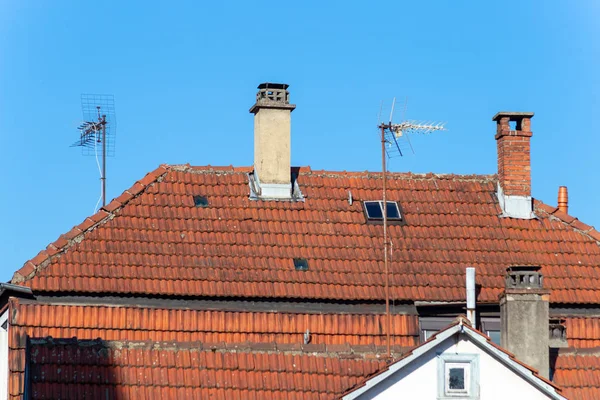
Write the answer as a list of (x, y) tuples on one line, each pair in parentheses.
[(274, 255)]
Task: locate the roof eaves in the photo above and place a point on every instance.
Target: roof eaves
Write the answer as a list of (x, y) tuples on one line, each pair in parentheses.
[(77, 233)]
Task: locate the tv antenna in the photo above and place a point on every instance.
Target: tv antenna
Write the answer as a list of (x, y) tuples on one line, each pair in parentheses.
[(393, 137), (97, 133)]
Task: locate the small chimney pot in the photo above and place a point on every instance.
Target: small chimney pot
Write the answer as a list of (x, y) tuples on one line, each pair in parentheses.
[(563, 199)]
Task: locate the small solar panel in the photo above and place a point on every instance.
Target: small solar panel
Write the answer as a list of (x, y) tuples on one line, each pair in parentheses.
[(200, 201), (374, 210), (301, 264)]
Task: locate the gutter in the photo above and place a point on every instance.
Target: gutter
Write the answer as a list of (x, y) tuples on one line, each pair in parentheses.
[(9, 287)]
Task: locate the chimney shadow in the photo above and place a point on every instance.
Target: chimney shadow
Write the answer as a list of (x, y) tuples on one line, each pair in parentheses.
[(70, 369)]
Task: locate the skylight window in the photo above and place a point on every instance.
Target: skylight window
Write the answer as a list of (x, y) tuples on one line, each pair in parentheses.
[(374, 211)]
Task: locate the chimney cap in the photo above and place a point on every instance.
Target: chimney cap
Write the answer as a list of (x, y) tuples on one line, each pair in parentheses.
[(271, 85), (524, 277), (513, 116)]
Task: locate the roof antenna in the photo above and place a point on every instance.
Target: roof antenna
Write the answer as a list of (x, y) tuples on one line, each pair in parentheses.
[(391, 136), (97, 133)]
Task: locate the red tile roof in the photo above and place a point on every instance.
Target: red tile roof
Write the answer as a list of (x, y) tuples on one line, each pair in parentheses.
[(578, 373), (154, 324), (153, 240), (583, 332), (134, 370), (167, 324)]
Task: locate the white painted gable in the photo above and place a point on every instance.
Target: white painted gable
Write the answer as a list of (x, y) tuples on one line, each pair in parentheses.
[(422, 374)]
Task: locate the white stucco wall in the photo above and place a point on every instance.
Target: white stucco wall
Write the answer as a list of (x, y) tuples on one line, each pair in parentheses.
[(419, 379)]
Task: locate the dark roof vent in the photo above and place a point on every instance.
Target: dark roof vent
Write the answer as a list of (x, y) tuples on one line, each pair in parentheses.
[(201, 201), (301, 264)]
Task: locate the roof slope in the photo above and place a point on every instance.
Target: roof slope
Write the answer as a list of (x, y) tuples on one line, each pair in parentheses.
[(132, 370), (578, 373), (153, 240), (166, 324)]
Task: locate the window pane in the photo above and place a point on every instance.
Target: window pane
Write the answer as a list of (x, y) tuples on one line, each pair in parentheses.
[(456, 379), (495, 336), (392, 210), (373, 210)]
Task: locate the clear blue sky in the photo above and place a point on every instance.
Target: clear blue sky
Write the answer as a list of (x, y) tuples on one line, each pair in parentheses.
[(184, 75)]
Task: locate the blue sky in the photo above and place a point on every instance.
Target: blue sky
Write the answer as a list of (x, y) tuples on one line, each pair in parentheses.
[(184, 75)]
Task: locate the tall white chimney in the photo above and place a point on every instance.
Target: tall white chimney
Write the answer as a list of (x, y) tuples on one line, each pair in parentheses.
[(272, 141)]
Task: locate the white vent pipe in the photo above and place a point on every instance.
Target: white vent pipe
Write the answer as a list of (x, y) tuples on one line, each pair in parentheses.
[(471, 296)]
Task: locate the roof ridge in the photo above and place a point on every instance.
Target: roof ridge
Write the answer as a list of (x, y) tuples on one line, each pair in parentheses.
[(346, 350), (579, 351), (569, 220), (307, 170), (76, 234)]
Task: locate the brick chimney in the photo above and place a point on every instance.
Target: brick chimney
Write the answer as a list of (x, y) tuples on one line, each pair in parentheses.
[(524, 317), (513, 134), (272, 141)]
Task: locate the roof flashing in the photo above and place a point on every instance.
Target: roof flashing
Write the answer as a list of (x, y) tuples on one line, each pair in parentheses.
[(274, 191), (513, 206)]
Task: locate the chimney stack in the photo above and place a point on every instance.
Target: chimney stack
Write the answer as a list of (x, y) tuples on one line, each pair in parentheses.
[(514, 163), (563, 199), (524, 313), (272, 141)]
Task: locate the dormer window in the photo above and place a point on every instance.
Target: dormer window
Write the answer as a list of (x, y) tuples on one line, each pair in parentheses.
[(374, 211)]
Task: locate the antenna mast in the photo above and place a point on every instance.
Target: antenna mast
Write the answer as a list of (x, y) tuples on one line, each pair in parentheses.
[(391, 138), (97, 133)]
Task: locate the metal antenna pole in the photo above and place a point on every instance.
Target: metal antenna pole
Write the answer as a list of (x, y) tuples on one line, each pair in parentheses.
[(99, 125), (103, 122), (385, 245), (395, 132)]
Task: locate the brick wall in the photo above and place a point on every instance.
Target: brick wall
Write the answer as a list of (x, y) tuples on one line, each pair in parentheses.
[(514, 158)]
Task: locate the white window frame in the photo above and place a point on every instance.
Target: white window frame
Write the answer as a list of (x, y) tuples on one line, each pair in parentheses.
[(380, 202), (470, 363), (4, 356)]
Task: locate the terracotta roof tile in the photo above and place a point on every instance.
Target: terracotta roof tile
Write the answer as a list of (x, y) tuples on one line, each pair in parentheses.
[(578, 373), (115, 369), (231, 330), (157, 241)]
